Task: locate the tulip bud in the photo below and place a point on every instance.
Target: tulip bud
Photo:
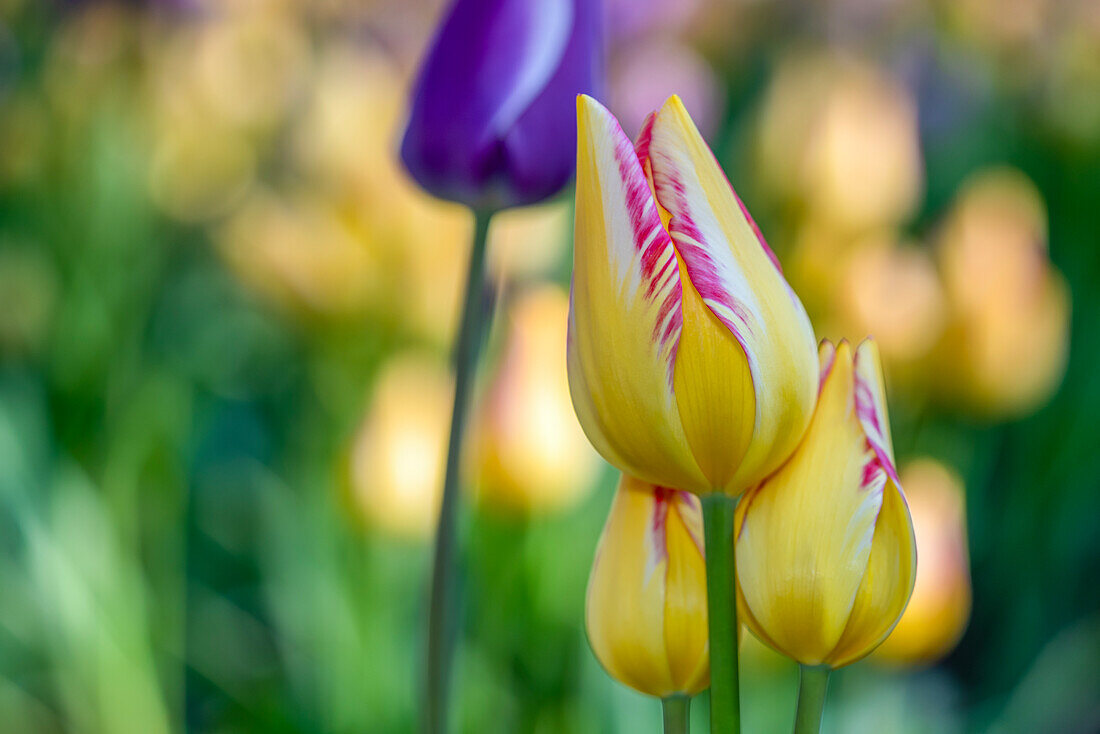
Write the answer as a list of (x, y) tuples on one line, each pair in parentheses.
[(691, 361), (938, 612), (1007, 341), (491, 121), (825, 550), (531, 453), (646, 612), (396, 463)]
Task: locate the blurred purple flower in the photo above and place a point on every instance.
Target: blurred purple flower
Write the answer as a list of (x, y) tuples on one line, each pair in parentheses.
[(493, 113)]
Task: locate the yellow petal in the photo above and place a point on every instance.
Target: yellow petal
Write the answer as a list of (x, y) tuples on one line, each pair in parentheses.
[(686, 634), (646, 606), (759, 338), (625, 313), (887, 584), (804, 536)]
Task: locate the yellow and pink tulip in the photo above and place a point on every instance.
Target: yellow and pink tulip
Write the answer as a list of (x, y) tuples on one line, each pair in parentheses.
[(646, 612), (691, 361), (826, 556)]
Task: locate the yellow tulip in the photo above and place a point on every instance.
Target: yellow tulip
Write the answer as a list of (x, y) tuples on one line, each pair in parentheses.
[(646, 612), (840, 138), (1007, 340), (531, 453), (940, 608), (691, 361), (825, 550), (396, 463)]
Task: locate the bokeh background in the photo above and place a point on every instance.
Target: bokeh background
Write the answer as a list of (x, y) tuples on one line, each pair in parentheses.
[(224, 388)]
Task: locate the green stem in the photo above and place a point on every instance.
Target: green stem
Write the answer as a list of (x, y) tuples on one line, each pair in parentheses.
[(725, 702), (677, 712), (442, 614), (811, 698)]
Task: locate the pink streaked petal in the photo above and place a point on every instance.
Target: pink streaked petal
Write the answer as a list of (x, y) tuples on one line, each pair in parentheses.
[(626, 316), (645, 138), (691, 512), (870, 407), (657, 545), (735, 274)]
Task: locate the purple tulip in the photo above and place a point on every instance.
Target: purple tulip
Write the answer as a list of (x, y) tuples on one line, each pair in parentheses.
[(493, 114)]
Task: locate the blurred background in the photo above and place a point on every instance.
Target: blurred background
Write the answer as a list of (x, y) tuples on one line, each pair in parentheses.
[(225, 314)]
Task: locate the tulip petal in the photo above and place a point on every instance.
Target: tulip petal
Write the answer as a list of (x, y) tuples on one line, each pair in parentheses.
[(736, 276), (887, 585), (534, 165), (870, 399), (799, 590), (631, 564), (625, 316), (686, 632)]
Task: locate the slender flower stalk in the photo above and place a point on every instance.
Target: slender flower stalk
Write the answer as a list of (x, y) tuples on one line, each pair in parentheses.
[(442, 622), (725, 700), (812, 682), (676, 712)]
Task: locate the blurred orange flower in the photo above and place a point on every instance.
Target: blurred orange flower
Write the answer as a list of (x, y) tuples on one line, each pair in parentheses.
[(839, 137), (395, 468), (1005, 349), (531, 452), (940, 606)]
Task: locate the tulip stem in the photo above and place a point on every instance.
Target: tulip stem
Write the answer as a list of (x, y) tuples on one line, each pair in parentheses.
[(677, 712), (813, 680), (725, 702), (443, 610)]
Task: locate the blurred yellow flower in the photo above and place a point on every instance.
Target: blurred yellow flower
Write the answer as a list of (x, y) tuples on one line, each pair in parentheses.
[(940, 607), (840, 137), (646, 612), (364, 241), (529, 241), (1007, 341), (531, 454), (396, 463), (296, 251), (219, 87), (892, 291), (824, 547)]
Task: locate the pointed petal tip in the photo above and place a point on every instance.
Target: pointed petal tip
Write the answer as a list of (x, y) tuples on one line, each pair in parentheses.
[(868, 348)]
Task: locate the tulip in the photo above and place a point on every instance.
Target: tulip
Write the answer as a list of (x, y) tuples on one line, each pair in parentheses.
[(940, 608), (490, 127), (491, 122), (826, 557), (691, 361), (396, 461), (1007, 341), (891, 289), (840, 138), (531, 454), (825, 550), (646, 611)]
